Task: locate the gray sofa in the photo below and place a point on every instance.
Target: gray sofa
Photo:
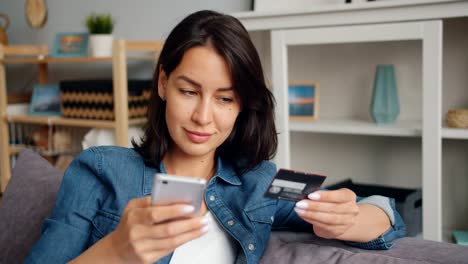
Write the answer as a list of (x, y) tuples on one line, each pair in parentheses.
[(30, 196)]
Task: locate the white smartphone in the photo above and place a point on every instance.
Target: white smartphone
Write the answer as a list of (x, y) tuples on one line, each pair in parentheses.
[(170, 189)]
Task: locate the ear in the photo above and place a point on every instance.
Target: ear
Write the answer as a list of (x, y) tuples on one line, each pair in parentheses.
[(162, 82)]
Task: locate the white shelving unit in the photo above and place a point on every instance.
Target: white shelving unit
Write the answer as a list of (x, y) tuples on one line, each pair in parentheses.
[(418, 22), (430, 33)]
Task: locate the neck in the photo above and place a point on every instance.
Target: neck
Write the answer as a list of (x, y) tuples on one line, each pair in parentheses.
[(186, 165)]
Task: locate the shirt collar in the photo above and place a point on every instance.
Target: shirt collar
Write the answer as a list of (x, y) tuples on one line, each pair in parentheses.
[(224, 171)]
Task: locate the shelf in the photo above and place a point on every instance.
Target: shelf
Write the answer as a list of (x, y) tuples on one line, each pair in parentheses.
[(356, 13), (358, 127), (52, 120), (37, 55), (137, 121), (422, 28), (454, 133), (336, 7), (48, 60), (16, 149), (361, 127)]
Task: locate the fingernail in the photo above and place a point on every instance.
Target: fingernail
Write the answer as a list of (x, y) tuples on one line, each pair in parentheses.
[(302, 205), (299, 211), (188, 209), (205, 229), (314, 196), (205, 220)]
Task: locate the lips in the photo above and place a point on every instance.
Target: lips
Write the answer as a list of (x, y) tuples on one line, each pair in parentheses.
[(198, 137)]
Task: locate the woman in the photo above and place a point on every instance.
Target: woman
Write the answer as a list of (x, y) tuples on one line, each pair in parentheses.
[(210, 116)]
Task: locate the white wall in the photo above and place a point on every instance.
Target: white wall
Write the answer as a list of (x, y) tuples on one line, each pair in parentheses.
[(135, 20)]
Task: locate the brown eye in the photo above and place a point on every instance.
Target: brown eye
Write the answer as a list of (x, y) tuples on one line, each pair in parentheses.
[(188, 92), (226, 99)]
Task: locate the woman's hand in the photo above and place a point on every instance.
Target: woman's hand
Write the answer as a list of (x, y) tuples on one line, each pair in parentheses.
[(147, 233), (331, 213)]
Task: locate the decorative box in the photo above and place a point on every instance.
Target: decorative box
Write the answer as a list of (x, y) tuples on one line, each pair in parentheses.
[(93, 99)]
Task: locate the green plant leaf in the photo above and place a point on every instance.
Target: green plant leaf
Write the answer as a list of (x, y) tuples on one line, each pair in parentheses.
[(100, 23)]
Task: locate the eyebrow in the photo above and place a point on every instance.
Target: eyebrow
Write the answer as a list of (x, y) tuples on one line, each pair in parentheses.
[(187, 79)]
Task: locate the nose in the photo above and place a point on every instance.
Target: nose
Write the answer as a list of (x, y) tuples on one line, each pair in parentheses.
[(203, 113)]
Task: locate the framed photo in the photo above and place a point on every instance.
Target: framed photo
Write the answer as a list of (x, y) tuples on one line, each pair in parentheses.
[(70, 45), (303, 101), (45, 100)]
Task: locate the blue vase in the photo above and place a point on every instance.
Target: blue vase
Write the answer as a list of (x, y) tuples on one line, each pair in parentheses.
[(385, 105)]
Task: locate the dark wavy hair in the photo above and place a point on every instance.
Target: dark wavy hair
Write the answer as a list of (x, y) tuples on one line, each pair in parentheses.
[(253, 138)]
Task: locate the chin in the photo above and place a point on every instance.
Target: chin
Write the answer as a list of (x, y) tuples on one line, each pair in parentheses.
[(196, 150)]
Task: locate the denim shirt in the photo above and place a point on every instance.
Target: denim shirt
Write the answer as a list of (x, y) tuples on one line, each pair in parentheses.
[(100, 182)]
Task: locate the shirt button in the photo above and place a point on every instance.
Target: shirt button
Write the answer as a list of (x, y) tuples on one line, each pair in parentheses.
[(251, 247), (230, 222), (212, 198)]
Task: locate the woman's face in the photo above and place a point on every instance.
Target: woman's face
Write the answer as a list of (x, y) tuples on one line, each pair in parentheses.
[(201, 103)]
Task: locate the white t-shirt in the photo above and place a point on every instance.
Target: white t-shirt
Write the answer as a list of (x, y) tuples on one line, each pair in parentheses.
[(216, 246)]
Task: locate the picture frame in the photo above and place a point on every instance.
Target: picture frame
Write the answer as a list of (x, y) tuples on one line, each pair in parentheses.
[(73, 44), (45, 100), (303, 101)]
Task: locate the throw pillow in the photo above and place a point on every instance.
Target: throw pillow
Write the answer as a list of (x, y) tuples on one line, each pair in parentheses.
[(26, 202)]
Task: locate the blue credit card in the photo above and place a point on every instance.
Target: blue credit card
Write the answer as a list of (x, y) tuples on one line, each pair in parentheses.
[(293, 185)]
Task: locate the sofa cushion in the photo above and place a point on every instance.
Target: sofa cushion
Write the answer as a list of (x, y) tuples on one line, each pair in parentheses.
[(27, 200), (290, 247)]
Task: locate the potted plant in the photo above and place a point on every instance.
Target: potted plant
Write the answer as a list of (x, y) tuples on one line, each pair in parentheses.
[(100, 28)]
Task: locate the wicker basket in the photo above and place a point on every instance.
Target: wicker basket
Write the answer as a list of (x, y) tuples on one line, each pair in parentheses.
[(93, 99), (457, 118)]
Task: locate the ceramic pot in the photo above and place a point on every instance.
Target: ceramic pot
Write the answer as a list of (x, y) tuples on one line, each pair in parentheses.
[(385, 104), (101, 45)]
